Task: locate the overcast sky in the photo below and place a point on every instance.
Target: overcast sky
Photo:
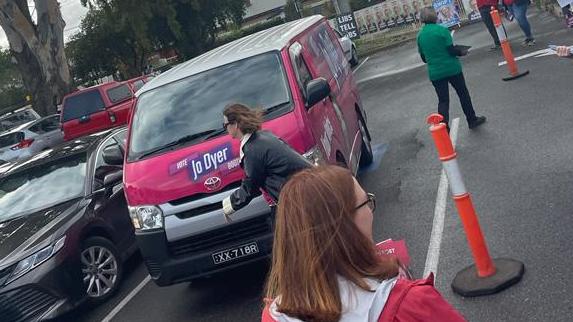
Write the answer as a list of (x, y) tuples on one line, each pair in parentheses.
[(72, 12)]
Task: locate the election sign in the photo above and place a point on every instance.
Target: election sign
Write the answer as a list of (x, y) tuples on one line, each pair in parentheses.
[(347, 25)]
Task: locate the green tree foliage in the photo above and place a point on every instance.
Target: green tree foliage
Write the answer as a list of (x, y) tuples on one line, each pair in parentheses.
[(290, 11), (12, 91), (121, 34), (361, 4)]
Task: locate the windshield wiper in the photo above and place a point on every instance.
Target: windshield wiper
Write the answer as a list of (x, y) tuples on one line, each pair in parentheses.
[(182, 140), (275, 107), (215, 133)]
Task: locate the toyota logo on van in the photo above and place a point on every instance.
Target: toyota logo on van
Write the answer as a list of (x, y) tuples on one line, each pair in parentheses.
[(212, 183)]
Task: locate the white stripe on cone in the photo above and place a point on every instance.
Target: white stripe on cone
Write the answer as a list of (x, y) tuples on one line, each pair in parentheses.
[(454, 177)]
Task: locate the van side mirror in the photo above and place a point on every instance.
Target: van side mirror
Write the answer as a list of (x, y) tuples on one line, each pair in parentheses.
[(112, 178), (113, 155), (316, 90)]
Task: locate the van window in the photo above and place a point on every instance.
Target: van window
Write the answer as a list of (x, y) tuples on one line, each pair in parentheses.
[(328, 55), (195, 104), (85, 103), (119, 93), (302, 72)]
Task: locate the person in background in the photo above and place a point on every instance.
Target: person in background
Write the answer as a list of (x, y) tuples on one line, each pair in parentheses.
[(325, 265), (519, 10), (266, 160), (484, 7), (435, 45)]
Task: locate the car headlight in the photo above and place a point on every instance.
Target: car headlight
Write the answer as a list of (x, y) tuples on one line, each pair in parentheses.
[(314, 156), (146, 217), (31, 262)]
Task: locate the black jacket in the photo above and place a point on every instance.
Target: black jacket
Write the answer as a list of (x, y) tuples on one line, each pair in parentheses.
[(268, 162)]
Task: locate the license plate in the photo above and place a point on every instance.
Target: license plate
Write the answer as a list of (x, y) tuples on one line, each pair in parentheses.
[(235, 253)]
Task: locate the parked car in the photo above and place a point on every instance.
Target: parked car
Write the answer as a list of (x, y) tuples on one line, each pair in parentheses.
[(96, 109), (30, 138), (64, 229), (348, 47), (180, 163), (18, 117), (138, 82)]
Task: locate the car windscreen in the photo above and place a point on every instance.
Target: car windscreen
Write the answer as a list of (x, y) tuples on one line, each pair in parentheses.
[(195, 104), (11, 139), (42, 186), (82, 104), (119, 93)]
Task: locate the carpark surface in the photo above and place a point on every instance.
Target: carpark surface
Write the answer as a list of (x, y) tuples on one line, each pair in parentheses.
[(518, 168)]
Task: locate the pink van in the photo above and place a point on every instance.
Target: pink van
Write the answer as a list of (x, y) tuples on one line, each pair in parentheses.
[(181, 164)]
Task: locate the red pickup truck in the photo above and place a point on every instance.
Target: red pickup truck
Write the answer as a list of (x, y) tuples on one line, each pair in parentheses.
[(99, 107)]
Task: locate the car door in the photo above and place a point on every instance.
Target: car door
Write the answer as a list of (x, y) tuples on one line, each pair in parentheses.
[(323, 120), (345, 43), (112, 206), (53, 130)]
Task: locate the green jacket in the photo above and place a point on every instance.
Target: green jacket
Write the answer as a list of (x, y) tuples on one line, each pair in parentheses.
[(433, 43)]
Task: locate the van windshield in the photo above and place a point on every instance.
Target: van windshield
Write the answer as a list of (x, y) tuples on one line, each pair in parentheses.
[(194, 105)]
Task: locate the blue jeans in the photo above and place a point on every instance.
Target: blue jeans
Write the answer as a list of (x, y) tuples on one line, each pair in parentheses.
[(520, 13)]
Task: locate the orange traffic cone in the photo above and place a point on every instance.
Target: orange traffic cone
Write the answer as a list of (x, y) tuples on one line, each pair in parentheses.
[(505, 47)]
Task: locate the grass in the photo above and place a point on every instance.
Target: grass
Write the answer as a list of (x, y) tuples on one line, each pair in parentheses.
[(370, 44)]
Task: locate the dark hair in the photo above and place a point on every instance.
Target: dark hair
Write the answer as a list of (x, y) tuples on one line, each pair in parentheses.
[(249, 120), (315, 241), (428, 15)]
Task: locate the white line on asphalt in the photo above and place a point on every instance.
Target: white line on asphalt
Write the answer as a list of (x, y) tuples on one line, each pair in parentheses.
[(126, 300), (362, 63), (392, 72), (535, 53), (433, 256)]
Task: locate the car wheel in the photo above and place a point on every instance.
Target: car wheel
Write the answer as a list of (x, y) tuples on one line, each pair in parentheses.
[(366, 156), (354, 58), (101, 268)]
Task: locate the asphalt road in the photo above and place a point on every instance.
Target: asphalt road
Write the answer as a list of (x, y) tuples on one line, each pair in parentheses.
[(518, 168)]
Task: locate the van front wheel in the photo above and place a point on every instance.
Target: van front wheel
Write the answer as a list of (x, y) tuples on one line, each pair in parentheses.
[(366, 156)]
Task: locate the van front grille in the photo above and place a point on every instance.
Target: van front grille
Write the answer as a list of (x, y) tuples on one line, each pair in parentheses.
[(225, 236)]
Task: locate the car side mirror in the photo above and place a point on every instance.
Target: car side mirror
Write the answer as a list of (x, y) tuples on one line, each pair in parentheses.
[(112, 178), (113, 155), (316, 90)]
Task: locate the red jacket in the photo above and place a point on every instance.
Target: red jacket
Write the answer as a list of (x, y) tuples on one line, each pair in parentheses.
[(416, 300), (487, 3)]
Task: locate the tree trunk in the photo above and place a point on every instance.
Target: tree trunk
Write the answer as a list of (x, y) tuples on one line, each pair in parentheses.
[(38, 49)]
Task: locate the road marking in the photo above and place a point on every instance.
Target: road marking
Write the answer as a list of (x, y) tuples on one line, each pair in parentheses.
[(389, 73), (126, 300), (538, 53), (362, 63), (433, 256)]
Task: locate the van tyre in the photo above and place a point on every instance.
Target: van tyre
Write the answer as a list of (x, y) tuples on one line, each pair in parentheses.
[(354, 57), (101, 268), (366, 156)]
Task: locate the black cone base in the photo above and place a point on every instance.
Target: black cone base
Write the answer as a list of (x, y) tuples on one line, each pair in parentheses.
[(508, 272), (516, 76)]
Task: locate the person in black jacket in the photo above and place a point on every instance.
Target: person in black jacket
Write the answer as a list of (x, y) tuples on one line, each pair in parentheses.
[(267, 161)]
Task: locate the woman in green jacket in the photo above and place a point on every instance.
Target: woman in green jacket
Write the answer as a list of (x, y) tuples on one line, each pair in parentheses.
[(436, 49)]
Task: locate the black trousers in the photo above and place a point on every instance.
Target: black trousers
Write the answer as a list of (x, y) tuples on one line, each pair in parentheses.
[(459, 84), (486, 18)]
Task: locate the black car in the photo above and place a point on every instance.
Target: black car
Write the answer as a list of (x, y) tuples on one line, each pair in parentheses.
[(65, 229)]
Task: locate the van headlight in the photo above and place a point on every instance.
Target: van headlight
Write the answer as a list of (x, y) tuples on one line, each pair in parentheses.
[(33, 261), (314, 156), (146, 217)]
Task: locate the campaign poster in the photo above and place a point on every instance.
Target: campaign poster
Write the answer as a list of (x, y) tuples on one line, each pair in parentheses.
[(472, 10), (408, 12), (380, 17), (361, 21), (447, 14), (371, 20), (347, 25), (416, 7), (389, 15), (397, 10)]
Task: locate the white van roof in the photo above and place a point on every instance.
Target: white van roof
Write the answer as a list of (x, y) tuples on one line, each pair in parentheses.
[(272, 39)]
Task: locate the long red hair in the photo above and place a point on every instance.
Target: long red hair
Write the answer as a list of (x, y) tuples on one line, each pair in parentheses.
[(316, 240)]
